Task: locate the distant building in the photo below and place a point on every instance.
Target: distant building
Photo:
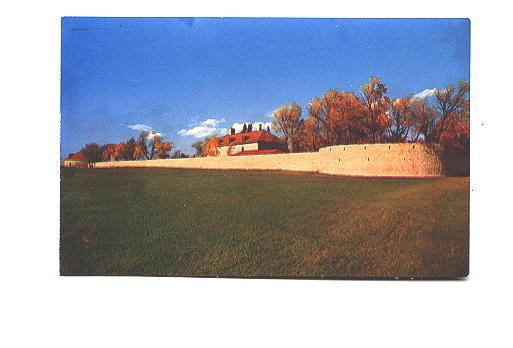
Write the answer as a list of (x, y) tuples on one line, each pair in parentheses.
[(251, 143), (77, 160)]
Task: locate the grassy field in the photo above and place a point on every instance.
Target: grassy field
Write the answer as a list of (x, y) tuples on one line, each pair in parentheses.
[(177, 222)]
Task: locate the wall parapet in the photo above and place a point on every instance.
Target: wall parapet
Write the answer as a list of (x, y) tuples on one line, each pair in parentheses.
[(381, 160)]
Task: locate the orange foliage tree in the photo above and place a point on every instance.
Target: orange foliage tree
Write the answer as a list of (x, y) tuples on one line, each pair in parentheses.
[(108, 152), (211, 147), (401, 119), (162, 149), (376, 105), (424, 120), (451, 101)]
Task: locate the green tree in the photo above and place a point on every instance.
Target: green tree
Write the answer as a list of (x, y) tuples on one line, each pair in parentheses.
[(93, 152)]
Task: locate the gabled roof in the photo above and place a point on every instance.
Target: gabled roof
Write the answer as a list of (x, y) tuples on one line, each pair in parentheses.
[(249, 137), (79, 156)]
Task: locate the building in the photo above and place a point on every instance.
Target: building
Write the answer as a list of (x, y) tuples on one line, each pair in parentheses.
[(251, 143), (77, 160)]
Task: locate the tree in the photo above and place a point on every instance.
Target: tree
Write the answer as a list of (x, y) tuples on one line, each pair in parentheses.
[(268, 129), (424, 120), (376, 105), (244, 128), (108, 152), (343, 119), (92, 152), (119, 150), (451, 101), (153, 144), (211, 147), (129, 150), (179, 154), (335, 118), (401, 119), (250, 127), (198, 146), (141, 148), (287, 120), (162, 149), (311, 137)]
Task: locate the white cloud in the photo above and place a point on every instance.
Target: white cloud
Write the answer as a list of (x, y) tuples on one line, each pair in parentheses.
[(198, 132), (141, 127), (155, 134), (204, 129), (210, 127), (424, 94), (151, 133), (211, 122)]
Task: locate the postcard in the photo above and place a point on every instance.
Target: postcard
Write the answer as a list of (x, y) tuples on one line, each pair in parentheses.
[(265, 147)]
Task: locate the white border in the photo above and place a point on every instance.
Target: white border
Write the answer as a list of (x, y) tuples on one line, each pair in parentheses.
[(39, 308)]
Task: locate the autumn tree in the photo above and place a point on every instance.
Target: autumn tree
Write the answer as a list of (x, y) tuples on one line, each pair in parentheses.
[(311, 137), (376, 105), (344, 122), (211, 147), (451, 101), (107, 152), (315, 127), (154, 139), (401, 119), (287, 120), (119, 150), (128, 153), (336, 118), (141, 148), (424, 120), (162, 149)]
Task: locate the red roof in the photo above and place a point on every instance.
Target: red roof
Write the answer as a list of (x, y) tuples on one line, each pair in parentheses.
[(79, 156), (258, 152), (250, 137)]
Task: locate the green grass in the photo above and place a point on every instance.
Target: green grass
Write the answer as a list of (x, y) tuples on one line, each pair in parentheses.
[(178, 222)]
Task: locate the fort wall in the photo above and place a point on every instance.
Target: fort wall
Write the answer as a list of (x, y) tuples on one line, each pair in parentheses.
[(404, 160)]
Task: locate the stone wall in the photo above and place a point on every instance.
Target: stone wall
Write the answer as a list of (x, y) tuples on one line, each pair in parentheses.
[(407, 159)]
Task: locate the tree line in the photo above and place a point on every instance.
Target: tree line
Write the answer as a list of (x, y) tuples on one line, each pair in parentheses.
[(147, 146), (336, 118), (340, 118)]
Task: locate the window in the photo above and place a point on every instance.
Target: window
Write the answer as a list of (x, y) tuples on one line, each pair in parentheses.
[(232, 140), (245, 138), (243, 149)]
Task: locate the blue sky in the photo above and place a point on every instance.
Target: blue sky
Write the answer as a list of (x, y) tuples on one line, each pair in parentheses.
[(188, 77)]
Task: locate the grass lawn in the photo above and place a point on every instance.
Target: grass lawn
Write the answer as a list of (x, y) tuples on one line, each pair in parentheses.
[(179, 222)]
